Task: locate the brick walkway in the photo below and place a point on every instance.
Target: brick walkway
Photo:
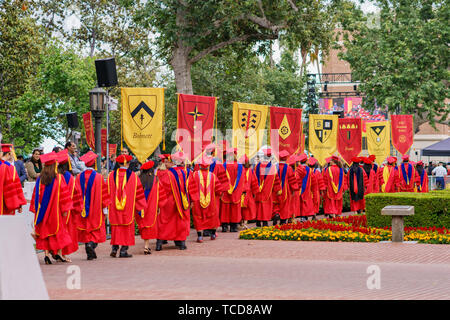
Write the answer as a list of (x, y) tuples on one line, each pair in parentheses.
[(229, 268)]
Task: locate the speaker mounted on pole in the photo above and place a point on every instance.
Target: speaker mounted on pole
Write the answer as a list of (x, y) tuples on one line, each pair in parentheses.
[(106, 72), (72, 120)]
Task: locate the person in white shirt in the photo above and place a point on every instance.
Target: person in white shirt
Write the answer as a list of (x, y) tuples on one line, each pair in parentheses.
[(440, 172)]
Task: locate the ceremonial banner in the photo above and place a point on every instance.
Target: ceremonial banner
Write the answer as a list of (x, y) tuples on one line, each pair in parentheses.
[(196, 120), (349, 142), (378, 140), (249, 123), (112, 149), (287, 122), (103, 141), (142, 120), (322, 135), (89, 130), (402, 132)]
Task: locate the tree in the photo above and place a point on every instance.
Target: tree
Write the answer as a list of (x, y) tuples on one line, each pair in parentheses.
[(403, 61), (190, 30)]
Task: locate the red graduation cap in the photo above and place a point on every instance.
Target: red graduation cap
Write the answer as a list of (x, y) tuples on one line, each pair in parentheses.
[(419, 163), (49, 158), (405, 157), (367, 160), (124, 158), (335, 158), (328, 159), (356, 160), (292, 159), (303, 157), (165, 156), (268, 152), (312, 161), (148, 165), (179, 156), (391, 160), (283, 155), (6, 147), (372, 157), (63, 156), (89, 158)]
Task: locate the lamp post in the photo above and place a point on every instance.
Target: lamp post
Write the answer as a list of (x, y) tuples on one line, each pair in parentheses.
[(97, 102)]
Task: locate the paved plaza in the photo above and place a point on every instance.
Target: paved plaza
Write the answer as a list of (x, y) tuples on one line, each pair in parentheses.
[(230, 268)]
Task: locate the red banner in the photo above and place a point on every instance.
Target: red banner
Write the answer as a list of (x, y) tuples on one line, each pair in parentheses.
[(103, 140), (89, 130), (288, 123), (349, 139), (195, 123), (402, 132), (112, 149)]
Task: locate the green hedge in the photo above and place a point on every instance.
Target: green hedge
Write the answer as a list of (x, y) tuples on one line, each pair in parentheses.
[(430, 209)]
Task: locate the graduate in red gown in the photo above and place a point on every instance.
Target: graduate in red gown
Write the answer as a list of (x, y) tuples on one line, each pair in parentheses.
[(319, 186), (294, 162), (409, 177), (50, 202), (388, 176), (230, 206), (173, 221), (126, 197), (336, 183), (357, 182), (71, 220), (146, 218), (269, 187), (94, 199), (372, 184), (422, 183), (207, 187), (248, 204), (289, 185), (11, 193), (307, 185)]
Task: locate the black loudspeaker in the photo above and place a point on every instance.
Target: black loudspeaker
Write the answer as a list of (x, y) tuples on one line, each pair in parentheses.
[(106, 72), (72, 120)]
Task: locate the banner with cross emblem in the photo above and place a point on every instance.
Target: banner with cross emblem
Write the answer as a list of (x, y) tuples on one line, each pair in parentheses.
[(378, 140), (142, 120), (286, 129), (322, 136), (349, 142), (195, 123), (249, 122)]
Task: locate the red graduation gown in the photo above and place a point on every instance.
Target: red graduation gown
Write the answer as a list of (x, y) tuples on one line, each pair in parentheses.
[(373, 182), (11, 193), (205, 215), (295, 198), (407, 184), (288, 186), (248, 204), (230, 206), (269, 185), (122, 219), (333, 201), (173, 220), (92, 227), (359, 204), (422, 182), (51, 231), (393, 179), (320, 186), (306, 194)]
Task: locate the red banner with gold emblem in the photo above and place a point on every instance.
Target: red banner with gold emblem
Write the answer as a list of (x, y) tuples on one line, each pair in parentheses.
[(103, 140), (89, 130), (349, 139), (195, 123), (402, 132), (287, 123)]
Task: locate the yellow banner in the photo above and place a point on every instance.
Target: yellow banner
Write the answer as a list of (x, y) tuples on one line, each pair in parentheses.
[(249, 122), (379, 140), (322, 136), (142, 120)]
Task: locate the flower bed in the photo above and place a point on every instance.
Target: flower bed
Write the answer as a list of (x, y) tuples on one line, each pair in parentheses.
[(346, 229)]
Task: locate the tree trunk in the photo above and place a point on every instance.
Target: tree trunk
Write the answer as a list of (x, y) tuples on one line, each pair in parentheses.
[(182, 69)]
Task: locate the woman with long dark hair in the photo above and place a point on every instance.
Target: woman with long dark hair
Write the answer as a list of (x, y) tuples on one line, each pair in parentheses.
[(50, 202), (34, 165)]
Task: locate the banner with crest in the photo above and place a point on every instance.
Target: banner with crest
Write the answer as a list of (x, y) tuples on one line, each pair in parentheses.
[(249, 123), (349, 142), (402, 132), (288, 125), (142, 120), (379, 140), (322, 136), (195, 123)]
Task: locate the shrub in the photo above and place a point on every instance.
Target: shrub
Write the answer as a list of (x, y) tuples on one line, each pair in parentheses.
[(430, 209)]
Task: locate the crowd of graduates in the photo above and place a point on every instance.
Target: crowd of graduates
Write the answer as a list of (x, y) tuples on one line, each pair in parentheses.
[(217, 189)]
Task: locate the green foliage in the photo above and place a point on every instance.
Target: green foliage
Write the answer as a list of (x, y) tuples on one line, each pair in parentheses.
[(401, 56), (430, 209)]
